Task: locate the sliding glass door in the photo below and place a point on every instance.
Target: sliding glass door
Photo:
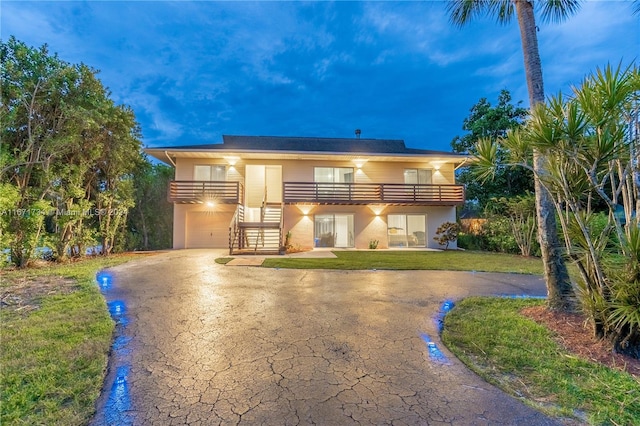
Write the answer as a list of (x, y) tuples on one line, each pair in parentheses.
[(407, 230), (334, 230)]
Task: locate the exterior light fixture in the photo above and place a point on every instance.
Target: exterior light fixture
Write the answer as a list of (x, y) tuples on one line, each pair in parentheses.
[(376, 209), (359, 162), (232, 160), (305, 209)]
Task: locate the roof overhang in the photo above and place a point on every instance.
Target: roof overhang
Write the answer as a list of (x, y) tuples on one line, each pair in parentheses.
[(169, 156)]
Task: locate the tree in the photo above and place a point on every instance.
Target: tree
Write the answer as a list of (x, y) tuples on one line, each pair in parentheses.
[(151, 220), (591, 139), (559, 289), (66, 155), (447, 233), (520, 212), (493, 122), (34, 119)]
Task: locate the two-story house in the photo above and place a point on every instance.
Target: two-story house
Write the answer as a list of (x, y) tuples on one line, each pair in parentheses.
[(254, 193)]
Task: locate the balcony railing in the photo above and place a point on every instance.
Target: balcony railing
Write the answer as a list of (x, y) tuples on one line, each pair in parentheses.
[(194, 192), (322, 193), (373, 193)]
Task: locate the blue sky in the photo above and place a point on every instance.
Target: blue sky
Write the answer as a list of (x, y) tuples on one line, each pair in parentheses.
[(193, 71)]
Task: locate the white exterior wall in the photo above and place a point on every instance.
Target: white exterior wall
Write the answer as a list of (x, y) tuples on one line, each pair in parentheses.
[(367, 225)]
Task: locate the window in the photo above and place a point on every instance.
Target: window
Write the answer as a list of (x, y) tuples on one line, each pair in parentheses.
[(214, 172), (407, 230), (333, 182), (334, 230), (333, 174), (417, 176)]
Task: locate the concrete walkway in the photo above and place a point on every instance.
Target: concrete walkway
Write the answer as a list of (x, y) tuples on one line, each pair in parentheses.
[(202, 344)]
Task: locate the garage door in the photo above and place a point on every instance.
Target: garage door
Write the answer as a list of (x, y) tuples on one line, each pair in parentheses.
[(208, 229)]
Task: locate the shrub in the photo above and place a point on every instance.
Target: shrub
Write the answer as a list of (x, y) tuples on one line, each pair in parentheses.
[(447, 233)]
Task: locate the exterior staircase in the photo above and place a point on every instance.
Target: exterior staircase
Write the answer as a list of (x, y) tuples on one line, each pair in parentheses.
[(264, 237)]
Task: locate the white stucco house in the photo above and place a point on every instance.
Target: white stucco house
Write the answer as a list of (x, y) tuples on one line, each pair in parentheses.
[(248, 192)]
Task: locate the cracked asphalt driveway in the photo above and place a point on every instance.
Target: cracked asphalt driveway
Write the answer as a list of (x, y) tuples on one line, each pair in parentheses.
[(202, 344)]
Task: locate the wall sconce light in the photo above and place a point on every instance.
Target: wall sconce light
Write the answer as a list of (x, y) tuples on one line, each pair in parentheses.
[(359, 163), (305, 209), (377, 210), (210, 204), (232, 160)]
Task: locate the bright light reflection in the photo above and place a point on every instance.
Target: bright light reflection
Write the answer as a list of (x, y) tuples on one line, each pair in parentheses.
[(104, 280), (119, 402), (445, 307), (434, 352)]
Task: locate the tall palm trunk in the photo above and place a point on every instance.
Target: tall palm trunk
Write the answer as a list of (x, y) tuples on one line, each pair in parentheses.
[(559, 289)]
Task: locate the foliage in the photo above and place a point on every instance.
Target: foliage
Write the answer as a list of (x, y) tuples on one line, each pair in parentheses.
[(520, 356), (520, 212), (373, 244), (68, 152), (447, 233), (469, 241), (150, 222), (591, 145), (498, 235), (486, 121)]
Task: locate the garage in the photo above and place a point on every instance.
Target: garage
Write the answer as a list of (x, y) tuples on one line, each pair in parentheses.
[(208, 229)]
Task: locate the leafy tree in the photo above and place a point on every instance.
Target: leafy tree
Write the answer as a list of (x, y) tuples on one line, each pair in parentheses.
[(592, 141), (520, 212), (151, 220), (67, 152), (487, 121), (447, 233), (113, 183), (34, 118), (559, 289)]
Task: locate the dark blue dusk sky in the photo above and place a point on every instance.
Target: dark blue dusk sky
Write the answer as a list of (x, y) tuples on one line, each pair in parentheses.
[(193, 71)]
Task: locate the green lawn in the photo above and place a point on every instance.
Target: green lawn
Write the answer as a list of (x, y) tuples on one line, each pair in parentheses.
[(452, 260), (520, 356), (56, 335)]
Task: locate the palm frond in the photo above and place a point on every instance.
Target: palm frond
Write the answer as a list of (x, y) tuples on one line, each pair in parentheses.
[(557, 10), (463, 11), (486, 165)]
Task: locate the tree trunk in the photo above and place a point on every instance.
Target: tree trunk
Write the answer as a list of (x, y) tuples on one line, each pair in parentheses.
[(560, 292)]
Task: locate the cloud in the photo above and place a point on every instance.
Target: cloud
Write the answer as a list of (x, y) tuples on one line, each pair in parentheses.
[(195, 70)]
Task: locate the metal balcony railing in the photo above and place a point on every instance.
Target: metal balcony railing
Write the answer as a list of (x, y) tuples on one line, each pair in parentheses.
[(194, 192), (373, 193)]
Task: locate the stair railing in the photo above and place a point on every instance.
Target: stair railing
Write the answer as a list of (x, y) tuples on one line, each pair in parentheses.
[(234, 228)]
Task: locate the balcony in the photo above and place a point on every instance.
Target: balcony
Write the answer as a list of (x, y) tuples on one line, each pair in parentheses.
[(198, 192), (373, 193)]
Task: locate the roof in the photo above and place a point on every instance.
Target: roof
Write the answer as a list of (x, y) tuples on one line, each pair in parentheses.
[(308, 144), (302, 148)]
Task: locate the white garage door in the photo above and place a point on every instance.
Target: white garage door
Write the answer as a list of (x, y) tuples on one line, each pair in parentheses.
[(208, 229)]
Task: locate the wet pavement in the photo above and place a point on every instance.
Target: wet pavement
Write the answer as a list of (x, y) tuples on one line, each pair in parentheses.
[(202, 344)]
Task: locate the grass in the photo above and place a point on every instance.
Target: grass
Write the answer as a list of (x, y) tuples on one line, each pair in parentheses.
[(452, 260), (53, 357), (520, 356)]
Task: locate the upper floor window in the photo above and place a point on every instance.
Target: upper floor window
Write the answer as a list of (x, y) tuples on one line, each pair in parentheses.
[(333, 174), (417, 176), (211, 172)]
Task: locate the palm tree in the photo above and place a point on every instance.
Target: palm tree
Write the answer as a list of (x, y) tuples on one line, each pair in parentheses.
[(559, 289)]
